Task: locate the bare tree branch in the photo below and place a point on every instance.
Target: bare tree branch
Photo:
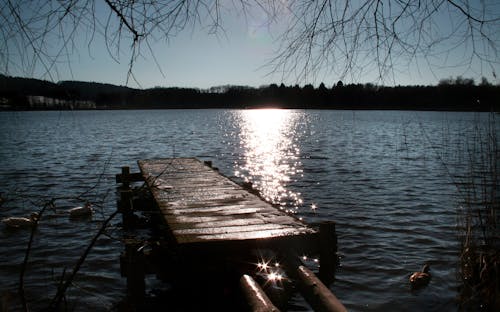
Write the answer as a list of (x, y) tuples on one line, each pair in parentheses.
[(357, 37), (326, 36), (61, 291)]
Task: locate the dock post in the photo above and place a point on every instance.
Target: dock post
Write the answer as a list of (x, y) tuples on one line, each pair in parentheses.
[(125, 175), (328, 251), (136, 285), (209, 164), (126, 198)]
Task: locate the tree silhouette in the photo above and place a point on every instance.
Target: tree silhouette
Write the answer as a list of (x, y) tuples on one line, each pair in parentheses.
[(346, 37)]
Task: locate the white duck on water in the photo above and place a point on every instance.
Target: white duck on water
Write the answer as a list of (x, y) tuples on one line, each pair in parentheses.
[(81, 211), (17, 222)]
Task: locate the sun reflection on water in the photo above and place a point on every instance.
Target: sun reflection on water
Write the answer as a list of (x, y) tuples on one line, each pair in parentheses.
[(271, 155)]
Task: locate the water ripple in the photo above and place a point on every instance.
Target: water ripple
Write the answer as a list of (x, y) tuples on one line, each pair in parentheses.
[(373, 173)]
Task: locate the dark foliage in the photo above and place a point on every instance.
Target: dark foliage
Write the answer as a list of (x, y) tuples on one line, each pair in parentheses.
[(445, 96)]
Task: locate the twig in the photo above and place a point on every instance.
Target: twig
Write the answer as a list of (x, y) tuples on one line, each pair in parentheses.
[(62, 289), (124, 20)]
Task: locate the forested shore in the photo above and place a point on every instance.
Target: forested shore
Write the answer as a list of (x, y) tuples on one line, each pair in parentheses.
[(457, 94)]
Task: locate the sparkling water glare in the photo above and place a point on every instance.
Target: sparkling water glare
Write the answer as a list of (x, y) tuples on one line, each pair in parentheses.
[(271, 155)]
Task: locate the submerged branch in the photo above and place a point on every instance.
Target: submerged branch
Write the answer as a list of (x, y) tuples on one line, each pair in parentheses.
[(56, 301)]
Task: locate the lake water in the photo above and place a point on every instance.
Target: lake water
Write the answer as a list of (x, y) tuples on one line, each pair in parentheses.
[(385, 177)]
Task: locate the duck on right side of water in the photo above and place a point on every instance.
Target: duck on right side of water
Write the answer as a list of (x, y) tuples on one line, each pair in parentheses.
[(420, 279)]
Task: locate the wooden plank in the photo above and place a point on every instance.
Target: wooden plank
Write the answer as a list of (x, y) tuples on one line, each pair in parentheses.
[(229, 229), (215, 210), (198, 196), (227, 226), (197, 221), (265, 234), (219, 224), (200, 205)]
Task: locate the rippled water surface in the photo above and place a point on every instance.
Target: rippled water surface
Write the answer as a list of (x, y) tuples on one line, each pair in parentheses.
[(386, 178)]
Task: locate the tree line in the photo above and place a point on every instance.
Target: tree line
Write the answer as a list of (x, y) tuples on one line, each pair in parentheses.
[(459, 94)]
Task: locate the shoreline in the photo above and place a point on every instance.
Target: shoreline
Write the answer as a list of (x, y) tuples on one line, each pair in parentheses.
[(14, 109), (20, 94)]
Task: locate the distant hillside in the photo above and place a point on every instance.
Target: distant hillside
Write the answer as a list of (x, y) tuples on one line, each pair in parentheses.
[(80, 89), (28, 86), (92, 90)]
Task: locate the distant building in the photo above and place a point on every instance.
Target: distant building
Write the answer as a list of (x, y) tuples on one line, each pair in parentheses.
[(4, 103), (41, 102)]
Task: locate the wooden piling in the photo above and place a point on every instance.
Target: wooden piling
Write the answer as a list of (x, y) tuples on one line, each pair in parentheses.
[(125, 205), (316, 293), (328, 252), (125, 174), (136, 284), (255, 296)]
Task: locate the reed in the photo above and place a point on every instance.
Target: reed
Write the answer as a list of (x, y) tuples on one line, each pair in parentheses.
[(478, 221)]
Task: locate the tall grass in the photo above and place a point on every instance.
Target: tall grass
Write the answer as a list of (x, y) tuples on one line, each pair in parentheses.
[(478, 220)]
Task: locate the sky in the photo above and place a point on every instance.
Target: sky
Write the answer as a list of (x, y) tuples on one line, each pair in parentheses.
[(193, 58), (237, 55)]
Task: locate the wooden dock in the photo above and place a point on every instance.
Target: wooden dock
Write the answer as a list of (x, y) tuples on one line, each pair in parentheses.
[(208, 216), (202, 206)]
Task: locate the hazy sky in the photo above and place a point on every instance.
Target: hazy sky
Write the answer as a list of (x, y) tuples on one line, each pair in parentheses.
[(235, 56)]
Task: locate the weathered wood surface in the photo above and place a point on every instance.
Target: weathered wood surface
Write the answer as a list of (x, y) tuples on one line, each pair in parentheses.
[(201, 205)]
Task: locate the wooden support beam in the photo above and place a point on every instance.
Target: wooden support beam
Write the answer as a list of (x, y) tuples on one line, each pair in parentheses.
[(136, 285), (209, 163), (255, 296), (328, 252), (316, 293), (125, 177), (125, 206)]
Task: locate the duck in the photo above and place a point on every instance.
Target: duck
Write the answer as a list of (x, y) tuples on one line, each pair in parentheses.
[(18, 222), (81, 211), (420, 279)]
